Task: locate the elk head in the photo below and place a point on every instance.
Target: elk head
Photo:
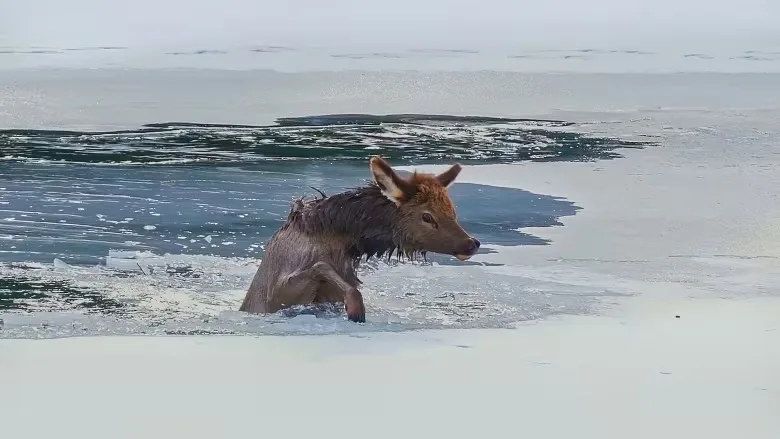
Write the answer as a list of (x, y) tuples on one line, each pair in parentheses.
[(426, 219)]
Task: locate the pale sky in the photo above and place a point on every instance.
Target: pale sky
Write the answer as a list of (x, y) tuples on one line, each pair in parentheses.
[(399, 23)]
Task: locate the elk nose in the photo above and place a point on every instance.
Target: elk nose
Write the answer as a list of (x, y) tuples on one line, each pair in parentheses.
[(473, 246)]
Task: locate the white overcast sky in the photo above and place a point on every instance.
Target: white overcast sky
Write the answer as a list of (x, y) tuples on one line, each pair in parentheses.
[(386, 23)]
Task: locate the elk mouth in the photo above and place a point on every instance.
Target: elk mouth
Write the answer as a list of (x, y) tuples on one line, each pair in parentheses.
[(463, 257)]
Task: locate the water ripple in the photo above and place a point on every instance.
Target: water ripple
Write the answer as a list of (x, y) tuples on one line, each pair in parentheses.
[(407, 139)]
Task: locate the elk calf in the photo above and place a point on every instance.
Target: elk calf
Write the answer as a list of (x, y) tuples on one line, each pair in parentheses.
[(314, 255)]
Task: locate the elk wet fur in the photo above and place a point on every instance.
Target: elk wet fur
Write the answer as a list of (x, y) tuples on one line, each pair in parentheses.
[(314, 255)]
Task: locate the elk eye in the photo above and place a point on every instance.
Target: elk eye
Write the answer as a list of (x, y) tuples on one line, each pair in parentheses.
[(427, 218)]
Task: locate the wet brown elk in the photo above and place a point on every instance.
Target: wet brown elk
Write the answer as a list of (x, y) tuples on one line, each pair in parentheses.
[(314, 255)]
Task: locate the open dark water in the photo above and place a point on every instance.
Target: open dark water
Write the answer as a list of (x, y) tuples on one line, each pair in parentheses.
[(159, 229)]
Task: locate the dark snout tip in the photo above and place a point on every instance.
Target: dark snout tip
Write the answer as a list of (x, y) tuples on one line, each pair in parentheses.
[(470, 250), (473, 246)]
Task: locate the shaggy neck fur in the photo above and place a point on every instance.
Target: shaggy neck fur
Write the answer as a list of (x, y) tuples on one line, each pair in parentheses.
[(364, 215)]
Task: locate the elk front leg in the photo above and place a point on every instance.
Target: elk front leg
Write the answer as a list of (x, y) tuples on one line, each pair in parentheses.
[(302, 286), (353, 300)]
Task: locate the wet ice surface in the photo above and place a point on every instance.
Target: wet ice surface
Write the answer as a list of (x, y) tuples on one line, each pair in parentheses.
[(200, 295)]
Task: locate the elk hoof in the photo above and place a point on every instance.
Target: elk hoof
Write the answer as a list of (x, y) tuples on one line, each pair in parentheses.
[(353, 305)]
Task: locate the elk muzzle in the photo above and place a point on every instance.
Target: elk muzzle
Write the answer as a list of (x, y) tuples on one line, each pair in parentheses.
[(468, 250)]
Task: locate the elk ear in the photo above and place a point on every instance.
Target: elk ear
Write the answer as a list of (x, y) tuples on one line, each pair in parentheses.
[(395, 188), (447, 177)]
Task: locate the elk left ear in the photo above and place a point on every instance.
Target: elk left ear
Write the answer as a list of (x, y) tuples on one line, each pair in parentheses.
[(447, 177), (394, 187)]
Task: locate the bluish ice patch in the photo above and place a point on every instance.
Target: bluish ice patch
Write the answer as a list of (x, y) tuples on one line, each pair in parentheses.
[(78, 213)]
